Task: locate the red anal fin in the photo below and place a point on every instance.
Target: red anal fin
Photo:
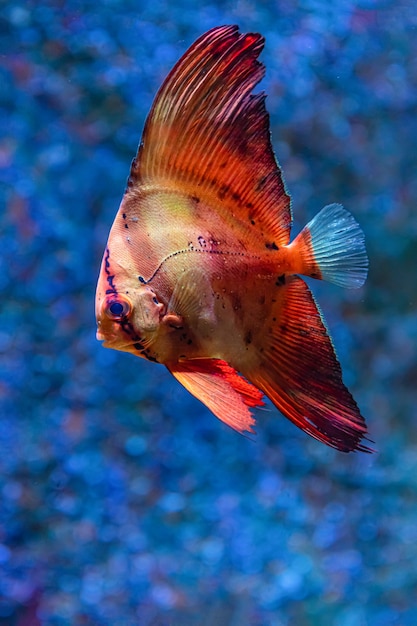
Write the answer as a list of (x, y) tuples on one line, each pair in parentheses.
[(302, 376), (221, 389)]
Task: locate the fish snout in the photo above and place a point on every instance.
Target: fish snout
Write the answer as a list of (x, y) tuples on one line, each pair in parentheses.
[(106, 333), (99, 334)]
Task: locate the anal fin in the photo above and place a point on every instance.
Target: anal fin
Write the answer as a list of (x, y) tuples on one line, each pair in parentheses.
[(217, 385), (300, 372)]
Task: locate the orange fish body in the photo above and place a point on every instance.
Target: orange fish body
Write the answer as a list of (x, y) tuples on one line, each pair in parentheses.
[(199, 273)]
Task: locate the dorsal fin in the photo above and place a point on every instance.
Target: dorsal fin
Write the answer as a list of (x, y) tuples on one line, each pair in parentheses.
[(208, 136)]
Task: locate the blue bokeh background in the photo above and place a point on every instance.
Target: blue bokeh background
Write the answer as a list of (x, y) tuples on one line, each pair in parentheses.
[(122, 500)]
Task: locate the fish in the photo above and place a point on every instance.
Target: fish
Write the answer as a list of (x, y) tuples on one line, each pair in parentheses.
[(200, 273)]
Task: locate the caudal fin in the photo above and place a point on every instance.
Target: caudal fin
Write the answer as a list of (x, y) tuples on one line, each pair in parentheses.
[(332, 247)]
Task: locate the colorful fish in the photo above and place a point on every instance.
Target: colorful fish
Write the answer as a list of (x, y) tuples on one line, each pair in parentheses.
[(199, 273)]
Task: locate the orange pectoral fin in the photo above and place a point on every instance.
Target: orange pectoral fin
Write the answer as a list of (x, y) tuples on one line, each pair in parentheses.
[(302, 375), (217, 385)]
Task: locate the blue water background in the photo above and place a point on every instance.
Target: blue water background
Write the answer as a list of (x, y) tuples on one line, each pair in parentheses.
[(122, 500)]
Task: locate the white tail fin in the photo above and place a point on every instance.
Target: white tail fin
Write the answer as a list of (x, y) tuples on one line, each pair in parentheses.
[(338, 246)]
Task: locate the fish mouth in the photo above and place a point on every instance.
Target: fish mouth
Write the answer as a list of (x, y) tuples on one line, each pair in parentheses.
[(105, 331), (99, 335), (113, 342), (106, 341), (104, 338)]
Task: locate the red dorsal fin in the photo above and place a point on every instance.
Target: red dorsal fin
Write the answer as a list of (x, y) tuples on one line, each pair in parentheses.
[(221, 389), (301, 374), (207, 136)]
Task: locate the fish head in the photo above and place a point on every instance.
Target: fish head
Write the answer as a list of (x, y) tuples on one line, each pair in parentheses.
[(128, 314), (122, 321)]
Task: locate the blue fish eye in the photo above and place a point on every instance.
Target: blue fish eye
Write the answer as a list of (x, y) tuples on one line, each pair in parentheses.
[(118, 309)]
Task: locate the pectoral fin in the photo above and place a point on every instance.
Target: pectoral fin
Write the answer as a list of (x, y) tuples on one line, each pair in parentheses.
[(193, 299), (221, 389)]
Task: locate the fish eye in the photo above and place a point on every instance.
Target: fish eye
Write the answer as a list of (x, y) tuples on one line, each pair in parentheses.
[(118, 309)]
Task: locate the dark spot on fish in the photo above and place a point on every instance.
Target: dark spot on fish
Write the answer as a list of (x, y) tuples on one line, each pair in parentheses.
[(242, 147), (137, 342), (155, 300), (262, 300), (223, 165), (274, 319), (141, 280), (261, 183), (252, 222), (283, 328), (271, 246), (189, 342), (124, 215), (304, 332), (126, 226), (201, 241), (236, 196), (129, 330), (134, 177), (249, 205), (195, 199), (315, 275), (280, 280), (236, 302), (110, 277), (248, 337), (223, 191), (215, 55)]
